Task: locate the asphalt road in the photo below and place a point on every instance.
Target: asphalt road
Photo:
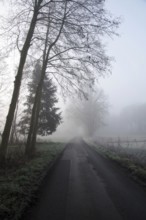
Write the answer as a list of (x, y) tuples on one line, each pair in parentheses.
[(85, 186)]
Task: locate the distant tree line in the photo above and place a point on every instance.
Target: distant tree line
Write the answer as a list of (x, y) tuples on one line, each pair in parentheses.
[(133, 118), (130, 121)]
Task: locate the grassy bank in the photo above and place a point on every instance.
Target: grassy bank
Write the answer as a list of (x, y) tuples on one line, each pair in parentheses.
[(20, 179), (131, 159)]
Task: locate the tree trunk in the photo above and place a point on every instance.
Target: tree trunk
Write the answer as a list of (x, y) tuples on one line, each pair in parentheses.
[(11, 139), (30, 145), (13, 132), (34, 134), (31, 139), (17, 84), (29, 148)]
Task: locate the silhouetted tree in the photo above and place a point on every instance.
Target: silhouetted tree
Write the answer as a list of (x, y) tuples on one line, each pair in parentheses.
[(49, 118), (23, 42), (71, 49), (89, 113), (68, 38)]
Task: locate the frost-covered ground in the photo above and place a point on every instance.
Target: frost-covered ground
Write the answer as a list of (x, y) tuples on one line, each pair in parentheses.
[(130, 154), (133, 149)]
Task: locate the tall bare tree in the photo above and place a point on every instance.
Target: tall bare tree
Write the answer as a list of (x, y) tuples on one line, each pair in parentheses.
[(48, 45), (72, 49), (31, 10)]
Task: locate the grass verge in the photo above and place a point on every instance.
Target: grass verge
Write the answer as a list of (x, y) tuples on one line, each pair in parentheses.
[(20, 180), (137, 170)]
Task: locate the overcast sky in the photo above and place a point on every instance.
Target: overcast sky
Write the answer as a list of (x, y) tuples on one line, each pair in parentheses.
[(127, 84)]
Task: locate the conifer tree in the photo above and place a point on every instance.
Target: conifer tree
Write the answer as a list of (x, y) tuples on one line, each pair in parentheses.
[(49, 115)]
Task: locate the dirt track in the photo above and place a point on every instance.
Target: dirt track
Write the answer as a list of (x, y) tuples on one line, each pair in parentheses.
[(85, 186)]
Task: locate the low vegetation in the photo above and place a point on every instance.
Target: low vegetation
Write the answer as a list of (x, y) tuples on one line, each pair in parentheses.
[(20, 179), (133, 159)]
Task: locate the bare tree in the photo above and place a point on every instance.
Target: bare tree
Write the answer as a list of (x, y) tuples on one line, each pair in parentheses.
[(23, 42), (72, 49), (30, 146), (88, 113), (13, 134)]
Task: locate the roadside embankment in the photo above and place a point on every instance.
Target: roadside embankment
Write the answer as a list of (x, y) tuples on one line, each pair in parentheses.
[(21, 178)]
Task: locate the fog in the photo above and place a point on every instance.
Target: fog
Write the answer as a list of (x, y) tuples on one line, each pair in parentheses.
[(126, 85), (83, 116), (124, 88), (73, 109)]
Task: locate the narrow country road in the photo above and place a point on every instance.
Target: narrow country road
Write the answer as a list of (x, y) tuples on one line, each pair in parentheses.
[(85, 186)]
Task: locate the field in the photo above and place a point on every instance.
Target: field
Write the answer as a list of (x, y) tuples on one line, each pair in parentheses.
[(130, 153), (20, 179)]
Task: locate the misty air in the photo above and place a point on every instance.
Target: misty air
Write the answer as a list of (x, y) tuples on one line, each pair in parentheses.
[(73, 110)]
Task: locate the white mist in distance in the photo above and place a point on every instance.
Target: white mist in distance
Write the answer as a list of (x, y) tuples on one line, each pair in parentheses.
[(125, 87)]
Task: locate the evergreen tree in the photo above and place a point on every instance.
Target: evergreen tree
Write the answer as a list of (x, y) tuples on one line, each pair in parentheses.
[(49, 117)]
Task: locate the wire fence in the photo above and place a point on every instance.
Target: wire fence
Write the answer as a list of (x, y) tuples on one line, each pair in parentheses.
[(122, 142)]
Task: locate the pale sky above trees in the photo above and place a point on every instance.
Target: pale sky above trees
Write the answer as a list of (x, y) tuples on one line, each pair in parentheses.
[(127, 84)]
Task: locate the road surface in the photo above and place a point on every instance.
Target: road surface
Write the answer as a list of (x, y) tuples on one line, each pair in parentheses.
[(85, 186)]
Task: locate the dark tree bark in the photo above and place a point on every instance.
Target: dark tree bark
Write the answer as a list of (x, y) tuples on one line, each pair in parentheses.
[(31, 139), (13, 134), (73, 49), (34, 134), (17, 84)]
